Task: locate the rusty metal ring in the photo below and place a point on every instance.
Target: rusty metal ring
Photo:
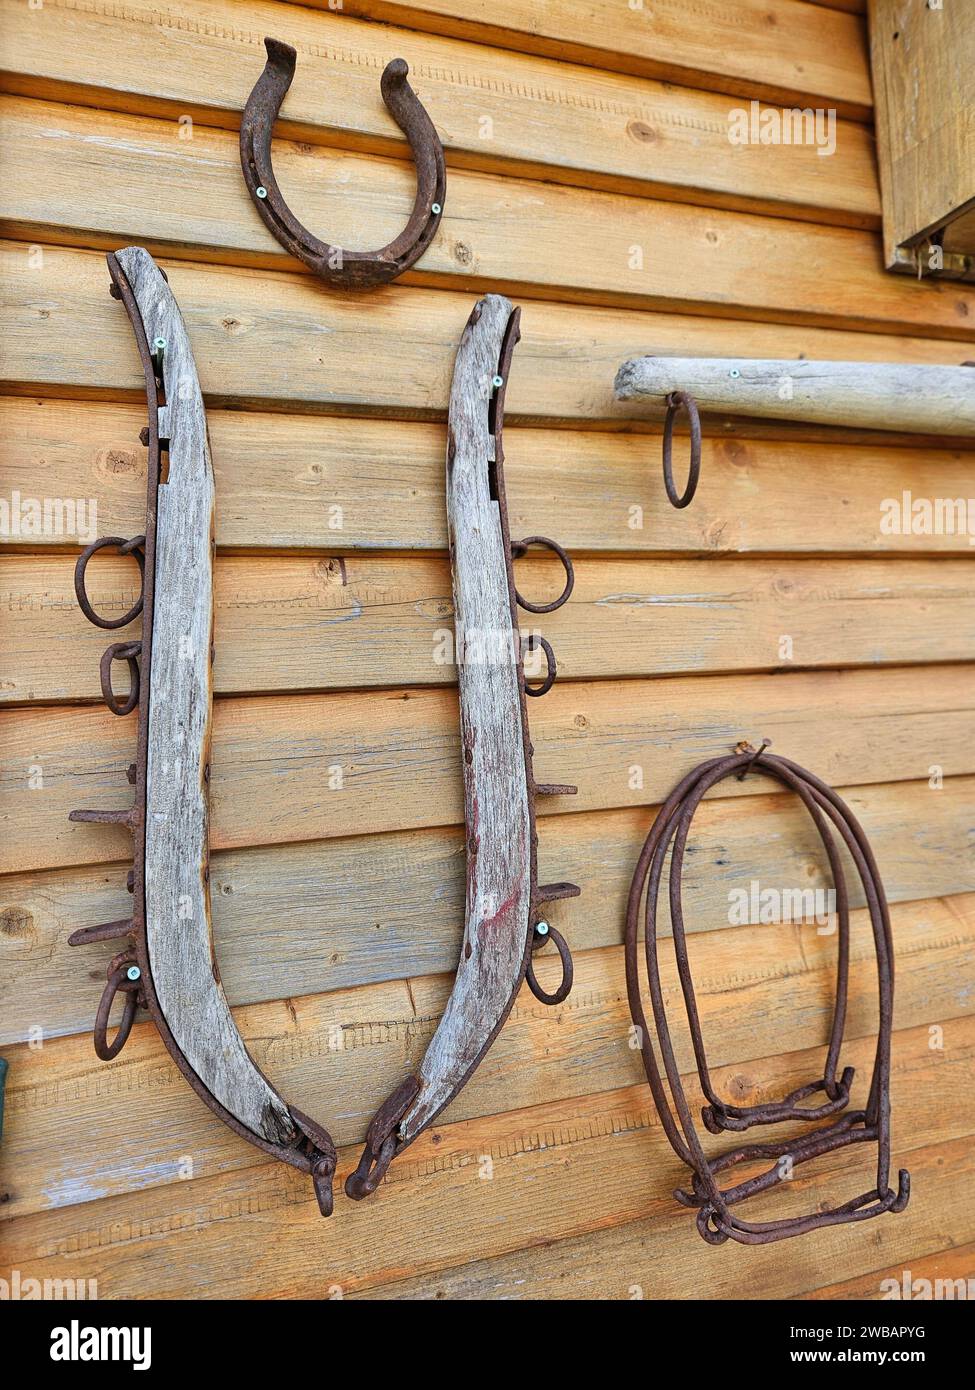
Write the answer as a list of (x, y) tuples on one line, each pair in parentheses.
[(120, 651), (675, 401), (353, 270), (562, 946), (118, 981), (531, 643), (518, 548), (124, 547)]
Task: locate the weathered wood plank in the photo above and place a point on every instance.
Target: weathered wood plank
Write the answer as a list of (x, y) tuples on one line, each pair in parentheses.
[(315, 766), (62, 336), (917, 398), (343, 927), (330, 623), (177, 896), (952, 1267), (655, 1257), (522, 236), (359, 1044), (297, 481), (785, 50), (497, 816), (923, 60), (494, 110), (573, 1167)]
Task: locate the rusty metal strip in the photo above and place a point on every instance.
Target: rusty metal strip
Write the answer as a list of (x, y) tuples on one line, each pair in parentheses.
[(407, 1113), (716, 1221), (350, 270), (130, 972)]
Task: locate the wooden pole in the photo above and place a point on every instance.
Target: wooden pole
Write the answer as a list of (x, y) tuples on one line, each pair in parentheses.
[(861, 395)]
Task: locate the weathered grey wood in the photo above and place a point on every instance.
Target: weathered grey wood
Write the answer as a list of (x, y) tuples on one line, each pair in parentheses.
[(495, 779), (919, 399), (177, 905)]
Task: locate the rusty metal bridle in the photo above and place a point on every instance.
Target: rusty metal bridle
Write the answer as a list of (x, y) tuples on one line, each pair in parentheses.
[(716, 1220), (130, 972), (350, 270)]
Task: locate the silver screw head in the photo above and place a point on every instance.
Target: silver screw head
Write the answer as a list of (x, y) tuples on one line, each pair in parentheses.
[(541, 929), (436, 209), (497, 382), (133, 973), (261, 191), (159, 344), (734, 373)]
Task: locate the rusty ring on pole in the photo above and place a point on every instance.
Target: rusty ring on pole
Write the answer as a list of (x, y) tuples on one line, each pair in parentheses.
[(675, 401), (124, 547), (350, 270), (120, 651), (518, 548), (531, 643)]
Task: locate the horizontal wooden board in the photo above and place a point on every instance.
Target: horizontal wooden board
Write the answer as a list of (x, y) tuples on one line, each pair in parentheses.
[(330, 914), (494, 110), (280, 478), (948, 1266), (307, 623), (661, 1258), (339, 1056), (783, 49), (64, 336), (187, 198), (547, 1168), (315, 766)]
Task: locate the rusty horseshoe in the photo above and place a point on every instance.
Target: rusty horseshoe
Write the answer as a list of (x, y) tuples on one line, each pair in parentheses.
[(350, 270)]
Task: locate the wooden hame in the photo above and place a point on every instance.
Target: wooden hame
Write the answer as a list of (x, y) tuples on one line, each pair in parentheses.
[(169, 966), (178, 765), (502, 923)]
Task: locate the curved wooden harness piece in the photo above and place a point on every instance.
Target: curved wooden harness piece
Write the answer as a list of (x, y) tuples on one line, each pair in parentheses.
[(168, 966), (351, 270), (716, 1221), (503, 923)]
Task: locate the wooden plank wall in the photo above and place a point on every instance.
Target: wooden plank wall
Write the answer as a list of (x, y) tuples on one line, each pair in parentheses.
[(591, 178)]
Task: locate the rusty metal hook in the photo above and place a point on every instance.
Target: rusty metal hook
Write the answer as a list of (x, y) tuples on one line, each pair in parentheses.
[(531, 642), (121, 651), (518, 548), (121, 980), (136, 547), (675, 401), (350, 270), (544, 931)]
